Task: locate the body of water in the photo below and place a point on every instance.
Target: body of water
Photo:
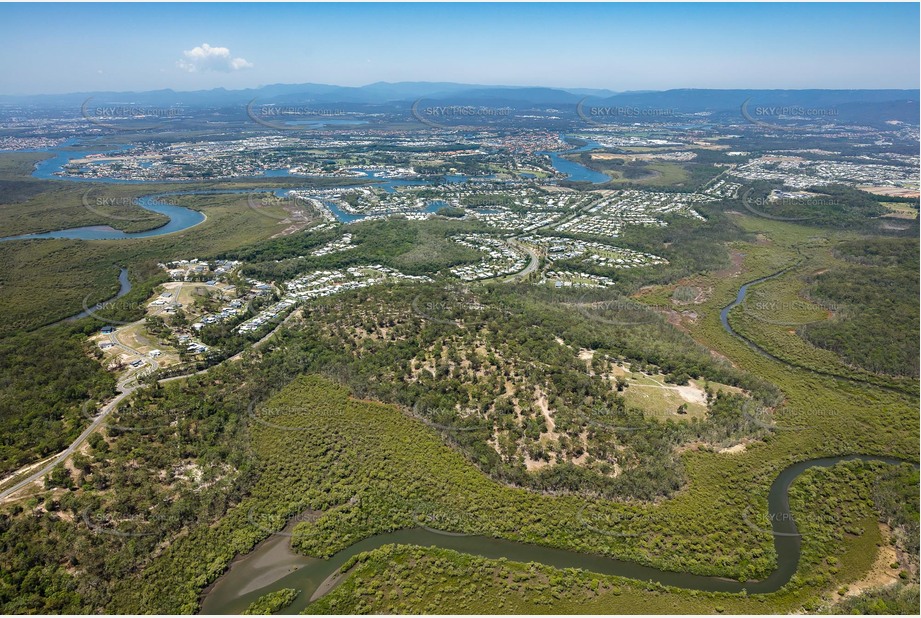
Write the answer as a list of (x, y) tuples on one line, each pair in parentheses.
[(184, 218), (576, 172), (180, 218), (124, 286), (48, 168)]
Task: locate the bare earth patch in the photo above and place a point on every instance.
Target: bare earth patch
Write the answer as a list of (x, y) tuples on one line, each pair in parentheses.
[(880, 574), (891, 191), (692, 394)]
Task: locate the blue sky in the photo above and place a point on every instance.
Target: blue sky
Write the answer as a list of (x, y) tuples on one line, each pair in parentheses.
[(54, 48)]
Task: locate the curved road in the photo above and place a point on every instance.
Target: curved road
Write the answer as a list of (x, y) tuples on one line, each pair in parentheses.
[(532, 265)]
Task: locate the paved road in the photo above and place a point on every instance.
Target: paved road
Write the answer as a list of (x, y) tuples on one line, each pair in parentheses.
[(127, 386), (532, 265), (126, 389), (239, 354), (113, 337)]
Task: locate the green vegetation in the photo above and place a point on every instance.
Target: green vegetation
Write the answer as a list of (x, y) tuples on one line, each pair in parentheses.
[(49, 373), (827, 300), (876, 325), (807, 396), (16, 182), (85, 204), (835, 206), (272, 602), (690, 246), (45, 381), (445, 353), (407, 579), (896, 600), (503, 415), (655, 175), (53, 278), (412, 247), (897, 502), (900, 210), (363, 450), (451, 211)]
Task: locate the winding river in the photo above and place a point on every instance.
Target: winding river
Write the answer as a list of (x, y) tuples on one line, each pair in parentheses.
[(272, 565), (124, 286), (576, 172), (740, 297), (180, 219)]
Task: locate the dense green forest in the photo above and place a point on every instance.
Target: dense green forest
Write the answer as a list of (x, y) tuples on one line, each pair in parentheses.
[(199, 450), (409, 579), (49, 374), (876, 296), (833, 206), (499, 373), (895, 496), (45, 381), (272, 602)]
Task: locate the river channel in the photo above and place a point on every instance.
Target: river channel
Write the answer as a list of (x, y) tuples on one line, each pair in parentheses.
[(272, 565)]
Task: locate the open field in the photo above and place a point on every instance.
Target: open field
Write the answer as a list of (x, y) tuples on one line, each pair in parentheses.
[(660, 400), (891, 191), (899, 210), (657, 174)]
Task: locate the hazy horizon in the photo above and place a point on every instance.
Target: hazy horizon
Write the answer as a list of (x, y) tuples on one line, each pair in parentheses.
[(471, 84), (61, 49)]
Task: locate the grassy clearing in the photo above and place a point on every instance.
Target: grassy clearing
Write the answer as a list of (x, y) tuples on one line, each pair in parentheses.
[(661, 400), (900, 210)]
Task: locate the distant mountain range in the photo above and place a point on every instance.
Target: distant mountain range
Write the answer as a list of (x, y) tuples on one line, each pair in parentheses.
[(889, 104)]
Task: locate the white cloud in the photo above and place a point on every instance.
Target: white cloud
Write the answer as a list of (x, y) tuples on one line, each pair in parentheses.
[(207, 58)]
